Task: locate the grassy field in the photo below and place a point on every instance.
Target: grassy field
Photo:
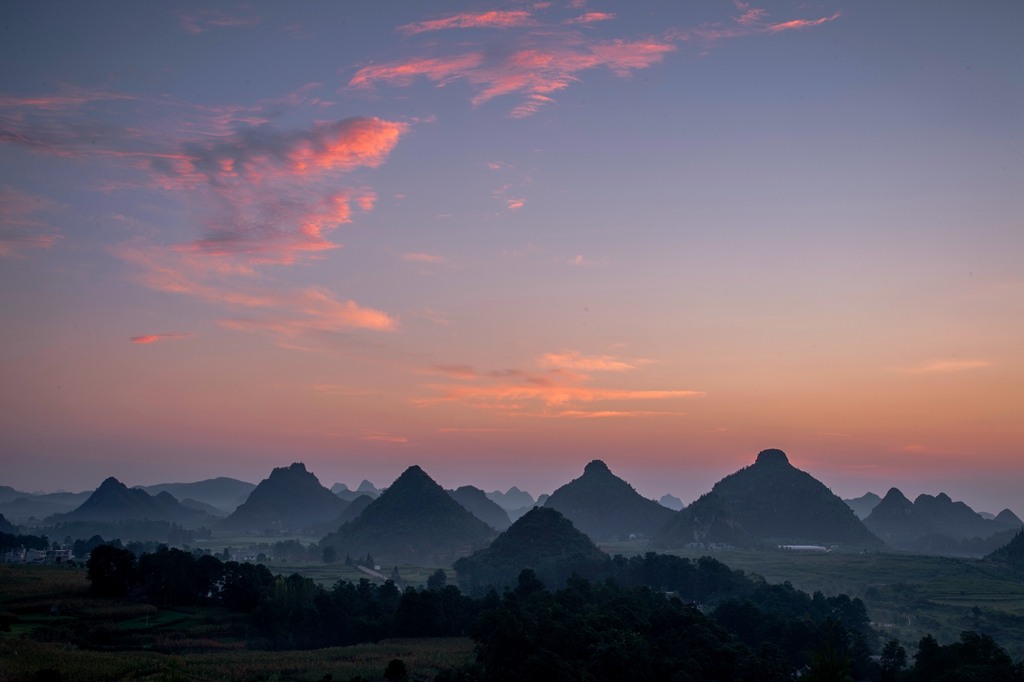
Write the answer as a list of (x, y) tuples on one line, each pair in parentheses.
[(908, 595), (424, 658)]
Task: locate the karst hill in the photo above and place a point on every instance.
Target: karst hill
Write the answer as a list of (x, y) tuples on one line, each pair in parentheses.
[(605, 507), (484, 508), (291, 498), (707, 522), (114, 501), (413, 520), (775, 501), (542, 540), (938, 524)]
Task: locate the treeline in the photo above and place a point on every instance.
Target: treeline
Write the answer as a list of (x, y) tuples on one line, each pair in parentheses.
[(9, 541), (646, 626)]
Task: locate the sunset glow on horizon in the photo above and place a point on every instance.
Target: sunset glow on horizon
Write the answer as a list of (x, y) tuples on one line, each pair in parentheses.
[(500, 241)]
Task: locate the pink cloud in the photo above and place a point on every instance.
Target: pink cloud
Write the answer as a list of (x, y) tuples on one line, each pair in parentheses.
[(535, 70), (153, 338), (945, 366), (493, 19), (514, 204), (203, 20), (20, 228)]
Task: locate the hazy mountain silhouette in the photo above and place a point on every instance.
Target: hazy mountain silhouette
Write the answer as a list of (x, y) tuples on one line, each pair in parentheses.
[(41, 506), (223, 493), (672, 502), (709, 520), (290, 498), (775, 501), (477, 503), (365, 488), (351, 513), (9, 494), (202, 506), (863, 505), (513, 498), (542, 540), (6, 526), (114, 501), (412, 520), (605, 507), (1011, 554), (934, 524)]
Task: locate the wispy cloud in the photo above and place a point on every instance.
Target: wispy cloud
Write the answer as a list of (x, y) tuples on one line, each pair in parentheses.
[(536, 68), (457, 371), (20, 225), (945, 366), (422, 258), (455, 429), (337, 390), (571, 359), (590, 18), (518, 393), (153, 338), (536, 58), (202, 20), (493, 19), (381, 436)]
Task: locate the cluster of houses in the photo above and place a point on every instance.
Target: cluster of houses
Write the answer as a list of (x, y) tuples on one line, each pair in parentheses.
[(36, 556)]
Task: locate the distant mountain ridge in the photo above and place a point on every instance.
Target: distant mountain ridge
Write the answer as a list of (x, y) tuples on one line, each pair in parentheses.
[(291, 498), (365, 488), (605, 507), (935, 524), (23, 506), (413, 520), (114, 501), (224, 493), (481, 506), (513, 498), (863, 505), (773, 500)]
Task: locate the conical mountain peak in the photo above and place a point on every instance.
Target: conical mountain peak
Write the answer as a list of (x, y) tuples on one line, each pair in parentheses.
[(604, 506), (414, 520), (772, 456), (290, 498), (541, 539), (776, 501)]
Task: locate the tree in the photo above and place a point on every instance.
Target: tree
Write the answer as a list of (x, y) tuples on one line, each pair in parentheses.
[(112, 571), (894, 658), (437, 580), (396, 670), (330, 555)]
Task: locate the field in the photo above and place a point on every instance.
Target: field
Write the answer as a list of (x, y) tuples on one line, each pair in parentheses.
[(176, 644), (908, 595)]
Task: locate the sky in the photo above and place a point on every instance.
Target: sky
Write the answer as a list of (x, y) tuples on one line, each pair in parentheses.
[(502, 240)]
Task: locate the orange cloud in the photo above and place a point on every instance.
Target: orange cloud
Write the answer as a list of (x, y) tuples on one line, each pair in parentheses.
[(19, 229), (153, 338), (514, 204), (515, 392), (493, 19), (946, 366), (571, 359), (290, 314)]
